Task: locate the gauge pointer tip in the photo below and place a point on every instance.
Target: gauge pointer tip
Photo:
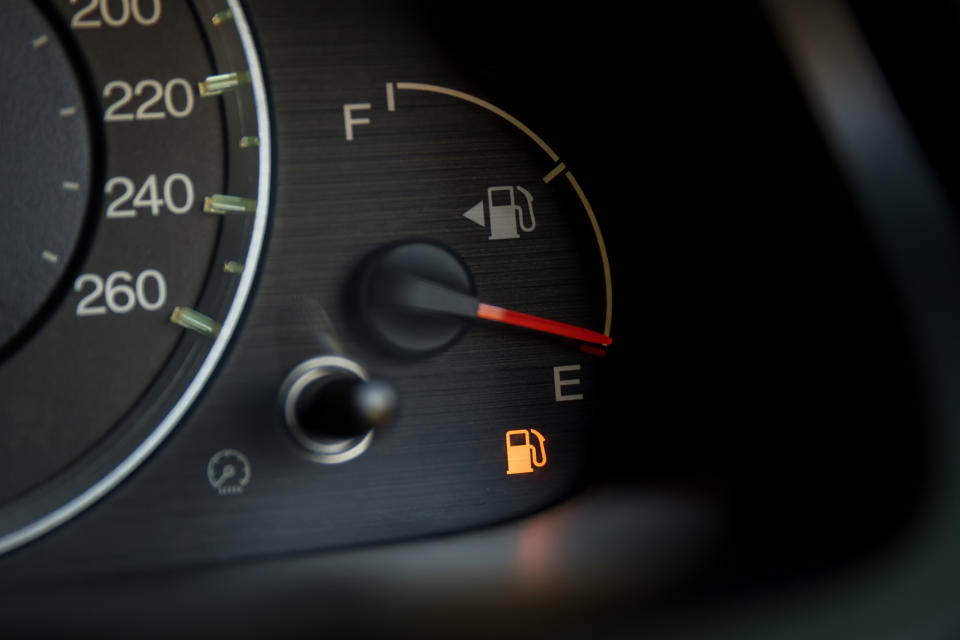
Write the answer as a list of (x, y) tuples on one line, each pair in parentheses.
[(544, 325)]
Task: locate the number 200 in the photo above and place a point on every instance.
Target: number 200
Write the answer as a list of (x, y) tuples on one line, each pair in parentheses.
[(117, 15)]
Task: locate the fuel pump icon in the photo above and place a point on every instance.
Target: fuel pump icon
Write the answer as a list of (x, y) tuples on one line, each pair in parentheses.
[(504, 215), (522, 456)]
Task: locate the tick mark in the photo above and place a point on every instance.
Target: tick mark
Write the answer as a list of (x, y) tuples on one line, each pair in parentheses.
[(221, 17), (224, 204), (233, 267), (195, 321), (557, 170), (222, 82)]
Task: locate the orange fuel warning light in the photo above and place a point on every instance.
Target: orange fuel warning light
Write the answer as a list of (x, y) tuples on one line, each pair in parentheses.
[(522, 456)]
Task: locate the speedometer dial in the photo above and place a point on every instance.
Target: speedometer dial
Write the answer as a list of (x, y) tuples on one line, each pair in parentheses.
[(131, 231)]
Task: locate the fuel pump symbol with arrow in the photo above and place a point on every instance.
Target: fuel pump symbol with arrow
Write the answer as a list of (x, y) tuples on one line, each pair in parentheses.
[(505, 215)]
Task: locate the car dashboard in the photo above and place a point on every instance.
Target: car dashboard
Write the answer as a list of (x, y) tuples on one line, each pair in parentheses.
[(389, 318)]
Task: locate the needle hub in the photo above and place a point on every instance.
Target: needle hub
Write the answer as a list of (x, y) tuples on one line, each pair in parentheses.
[(413, 298)]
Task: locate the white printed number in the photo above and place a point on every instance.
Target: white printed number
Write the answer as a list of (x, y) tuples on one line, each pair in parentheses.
[(177, 195), (120, 292), (175, 98), (116, 13)]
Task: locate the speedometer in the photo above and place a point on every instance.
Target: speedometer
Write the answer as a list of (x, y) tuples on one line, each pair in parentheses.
[(135, 175)]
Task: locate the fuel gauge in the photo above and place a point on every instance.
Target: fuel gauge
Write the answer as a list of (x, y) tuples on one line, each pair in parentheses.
[(468, 269), (417, 281)]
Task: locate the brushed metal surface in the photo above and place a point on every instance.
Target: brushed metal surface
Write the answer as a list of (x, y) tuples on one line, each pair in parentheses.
[(441, 468)]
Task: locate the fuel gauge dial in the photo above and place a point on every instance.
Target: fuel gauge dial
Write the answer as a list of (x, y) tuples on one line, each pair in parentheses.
[(477, 282), (505, 211)]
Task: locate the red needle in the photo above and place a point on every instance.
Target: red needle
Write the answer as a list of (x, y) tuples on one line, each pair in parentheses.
[(413, 292), (506, 316)]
